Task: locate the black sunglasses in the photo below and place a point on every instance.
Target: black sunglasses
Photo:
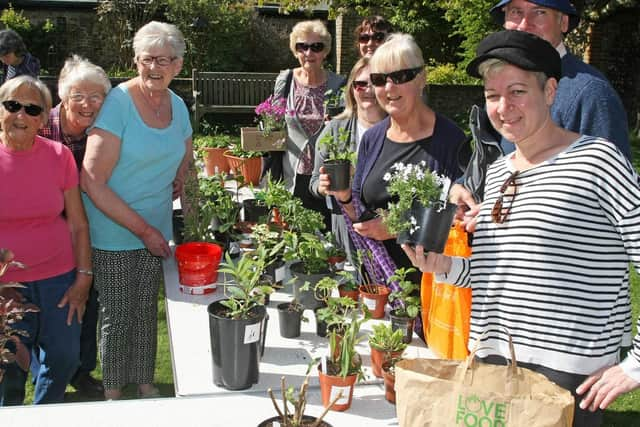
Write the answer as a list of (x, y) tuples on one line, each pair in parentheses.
[(15, 106), (315, 47), (499, 212), (377, 37), (360, 84), (397, 77)]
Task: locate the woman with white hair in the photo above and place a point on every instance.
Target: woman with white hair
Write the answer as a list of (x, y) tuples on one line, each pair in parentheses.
[(138, 152), (82, 87), (411, 133)]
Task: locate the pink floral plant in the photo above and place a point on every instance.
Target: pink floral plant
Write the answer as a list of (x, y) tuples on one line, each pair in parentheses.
[(271, 114)]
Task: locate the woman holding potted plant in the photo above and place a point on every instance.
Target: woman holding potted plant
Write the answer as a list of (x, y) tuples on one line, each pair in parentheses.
[(304, 89), (411, 133), (340, 138)]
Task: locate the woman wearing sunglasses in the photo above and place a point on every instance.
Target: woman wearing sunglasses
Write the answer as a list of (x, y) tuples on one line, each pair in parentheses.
[(361, 112), (370, 34), (555, 235), (304, 88), (43, 222), (411, 133), (82, 87), (138, 152)]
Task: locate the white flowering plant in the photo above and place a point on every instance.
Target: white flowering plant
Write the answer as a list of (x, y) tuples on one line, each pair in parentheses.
[(408, 183)]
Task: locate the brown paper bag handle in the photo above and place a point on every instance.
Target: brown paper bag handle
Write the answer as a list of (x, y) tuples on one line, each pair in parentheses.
[(476, 347)]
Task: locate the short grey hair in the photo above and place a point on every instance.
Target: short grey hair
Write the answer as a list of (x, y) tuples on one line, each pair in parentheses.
[(10, 87), (304, 28), (492, 65), (78, 70), (159, 34), (399, 52)]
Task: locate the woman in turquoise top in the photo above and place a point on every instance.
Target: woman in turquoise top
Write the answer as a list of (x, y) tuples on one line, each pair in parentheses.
[(137, 155)]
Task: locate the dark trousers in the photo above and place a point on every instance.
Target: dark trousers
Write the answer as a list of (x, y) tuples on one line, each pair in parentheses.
[(88, 334), (309, 201), (566, 380)]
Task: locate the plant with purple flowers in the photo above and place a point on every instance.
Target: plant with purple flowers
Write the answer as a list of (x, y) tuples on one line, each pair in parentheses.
[(271, 114)]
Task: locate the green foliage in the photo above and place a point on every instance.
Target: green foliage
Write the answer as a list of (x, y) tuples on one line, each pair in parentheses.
[(274, 194), (344, 353), (15, 20), (247, 291), (407, 295), (338, 147), (384, 338), (213, 141), (449, 74), (306, 248), (324, 288), (235, 149)]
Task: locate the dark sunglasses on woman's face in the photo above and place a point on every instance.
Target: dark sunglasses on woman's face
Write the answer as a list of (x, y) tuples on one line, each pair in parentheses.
[(397, 77), (315, 47), (361, 84), (377, 37), (15, 106)]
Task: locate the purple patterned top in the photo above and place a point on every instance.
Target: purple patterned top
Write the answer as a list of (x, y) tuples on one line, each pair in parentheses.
[(309, 107), (53, 130)]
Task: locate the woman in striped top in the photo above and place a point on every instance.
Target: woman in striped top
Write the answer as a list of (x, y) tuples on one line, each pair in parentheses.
[(555, 235)]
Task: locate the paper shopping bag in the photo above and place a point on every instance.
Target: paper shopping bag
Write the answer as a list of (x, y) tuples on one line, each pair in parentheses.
[(446, 309), (447, 393)]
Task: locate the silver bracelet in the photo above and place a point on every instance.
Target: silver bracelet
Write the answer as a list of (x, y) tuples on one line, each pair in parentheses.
[(83, 271)]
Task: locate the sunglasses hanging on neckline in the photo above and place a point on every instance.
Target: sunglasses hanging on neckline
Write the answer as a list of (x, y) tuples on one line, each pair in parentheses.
[(14, 106), (397, 77), (499, 212)]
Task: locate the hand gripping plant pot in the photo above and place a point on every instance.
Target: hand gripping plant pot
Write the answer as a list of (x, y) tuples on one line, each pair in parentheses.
[(374, 297), (430, 228), (289, 319), (339, 172), (236, 346), (198, 267)]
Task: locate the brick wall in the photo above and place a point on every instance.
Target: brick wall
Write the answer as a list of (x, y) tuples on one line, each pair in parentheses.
[(346, 53)]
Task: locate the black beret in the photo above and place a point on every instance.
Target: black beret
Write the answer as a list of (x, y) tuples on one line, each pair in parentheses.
[(519, 48)]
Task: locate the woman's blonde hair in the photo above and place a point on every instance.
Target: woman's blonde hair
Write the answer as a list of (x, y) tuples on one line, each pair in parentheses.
[(349, 98), (492, 65), (10, 87), (304, 28), (399, 52), (79, 70)]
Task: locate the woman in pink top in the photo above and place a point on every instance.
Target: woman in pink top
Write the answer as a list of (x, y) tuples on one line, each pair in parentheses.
[(43, 222)]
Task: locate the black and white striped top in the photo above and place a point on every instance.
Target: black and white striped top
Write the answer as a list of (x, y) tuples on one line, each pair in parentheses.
[(556, 272)]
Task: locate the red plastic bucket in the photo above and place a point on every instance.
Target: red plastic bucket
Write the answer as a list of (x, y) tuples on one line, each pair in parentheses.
[(198, 267)]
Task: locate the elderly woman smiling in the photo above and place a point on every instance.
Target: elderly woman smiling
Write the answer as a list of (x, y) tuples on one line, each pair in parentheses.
[(555, 234), (82, 87), (43, 222), (138, 152)]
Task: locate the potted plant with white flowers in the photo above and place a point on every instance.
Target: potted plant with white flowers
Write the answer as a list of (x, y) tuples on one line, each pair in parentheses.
[(420, 214)]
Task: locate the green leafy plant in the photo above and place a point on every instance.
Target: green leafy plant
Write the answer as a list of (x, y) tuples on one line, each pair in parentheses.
[(348, 281), (298, 401), (343, 358), (409, 182), (324, 288), (338, 147), (235, 149), (308, 249), (361, 260), (332, 98), (385, 339), (213, 141), (337, 313), (248, 291), (197, 213), (407, 295), (219, 203)]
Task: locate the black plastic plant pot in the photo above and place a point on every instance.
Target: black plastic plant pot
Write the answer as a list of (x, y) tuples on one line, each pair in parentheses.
[(405, 324), (339, 172), (289, 319), (306, 297), (321, 327), (178, 226), (270, 270), (255, 211), (431, 228), (307, 420), (236, 346)]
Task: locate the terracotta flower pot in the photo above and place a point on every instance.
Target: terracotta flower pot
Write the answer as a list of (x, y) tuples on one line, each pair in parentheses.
[(389, 383), (375, 302), (378, 357), (353, 294), (214, 160), (331, 385), (249, 168)]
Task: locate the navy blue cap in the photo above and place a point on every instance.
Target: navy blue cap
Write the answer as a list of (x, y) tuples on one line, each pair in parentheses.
[(563, 6), (519, 48)]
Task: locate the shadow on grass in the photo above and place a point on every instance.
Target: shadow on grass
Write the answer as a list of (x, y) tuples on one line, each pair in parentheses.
[(129, 392), (621, 419)]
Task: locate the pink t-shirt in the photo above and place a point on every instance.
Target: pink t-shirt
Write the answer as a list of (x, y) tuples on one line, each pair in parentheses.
[(31, 208)]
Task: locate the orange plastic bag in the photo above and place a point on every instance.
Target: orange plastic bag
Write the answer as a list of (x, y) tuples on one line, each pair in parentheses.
[(446, 308)]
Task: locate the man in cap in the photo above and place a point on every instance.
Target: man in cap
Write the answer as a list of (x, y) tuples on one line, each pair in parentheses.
[(585, 101)]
